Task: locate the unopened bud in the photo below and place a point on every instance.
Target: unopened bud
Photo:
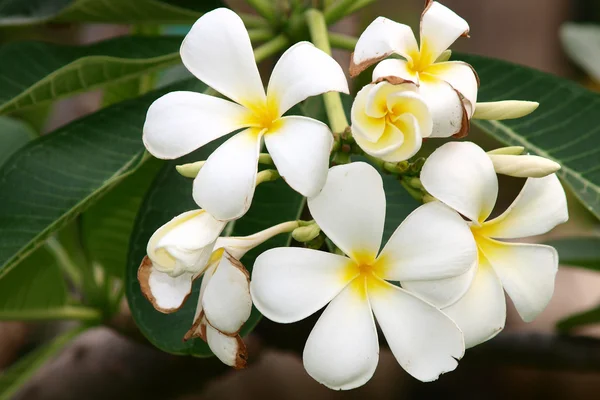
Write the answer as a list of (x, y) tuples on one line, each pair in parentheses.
[(525, 166), (305, 234), (508, 109), (445, 56), (190, 170), (511, 150)]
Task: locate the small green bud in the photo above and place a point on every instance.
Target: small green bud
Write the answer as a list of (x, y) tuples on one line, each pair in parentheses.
[(427, 198), (511, 150), (190, 170), (307, 233), (415, 183)]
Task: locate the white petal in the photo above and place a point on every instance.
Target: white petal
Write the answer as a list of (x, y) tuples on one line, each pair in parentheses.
[(166, 293), (217, 50), (461, 76), (185, 243), (351, 209), (301, 72), (440, 27), (527, 272), (447, 109), (226, 301), (394, 68), (539, 207), (300, 148), (433, 242), (231, 350), (342, 350), (481, 312), (411, 102), (398, 142), (424, 340), (289, 284), (181, 122), (382, 38), (199, 323), (462, 175), (225, 185), (442, 292)]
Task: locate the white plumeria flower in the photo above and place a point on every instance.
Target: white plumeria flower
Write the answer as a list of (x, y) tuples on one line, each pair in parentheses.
[(342, 351), (390, 121), (462, 176), (178, 252), (218, 51), (448, 87)]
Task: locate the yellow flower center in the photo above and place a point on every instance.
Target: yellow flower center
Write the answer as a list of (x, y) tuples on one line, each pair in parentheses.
[(363, 268), (265, 117), (420, 60)]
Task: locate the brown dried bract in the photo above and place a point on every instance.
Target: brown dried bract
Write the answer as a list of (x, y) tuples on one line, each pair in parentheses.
[(241, 359), (198, 329), (356, 69), (143, 276), (465, 123), (394, 80)]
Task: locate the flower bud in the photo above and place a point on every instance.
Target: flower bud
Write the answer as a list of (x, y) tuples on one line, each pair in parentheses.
[(510, 150), (307, 233), (238, 246), (524, 166), (190, 170), (185, 243), (508, 109)]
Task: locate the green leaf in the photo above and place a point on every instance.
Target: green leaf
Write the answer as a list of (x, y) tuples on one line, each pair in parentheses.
[(170, 195), (39, 72), (14, 134), (588, 317), (565, 128), (582, 43), (19, 12), (12, 379), (58, 176), (37, 286), (578, 251), (108, 224)]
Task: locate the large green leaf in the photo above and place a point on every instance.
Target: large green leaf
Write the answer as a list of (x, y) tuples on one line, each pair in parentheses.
[(27, 12), (108, 224), (170, 195), (42, 72), (36, 287), (578, 251), (588, 317), (56, 177), (582, 43), (565, 128), (14, 134), (12, 379)]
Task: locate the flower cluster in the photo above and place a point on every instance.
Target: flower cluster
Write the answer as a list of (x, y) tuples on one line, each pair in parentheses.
[(437, 286)]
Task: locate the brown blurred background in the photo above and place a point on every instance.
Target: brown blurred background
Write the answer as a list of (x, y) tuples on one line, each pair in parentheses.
[(102, 364)]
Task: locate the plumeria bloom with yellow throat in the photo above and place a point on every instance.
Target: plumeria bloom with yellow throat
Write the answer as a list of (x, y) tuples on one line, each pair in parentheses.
[(342, 351), (461, 175), (448, 87), (217, 50), (188, 247)]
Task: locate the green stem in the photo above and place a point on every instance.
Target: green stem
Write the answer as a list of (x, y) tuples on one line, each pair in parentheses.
[(341, 41), (254, 21), (267, 175), (64, 261), (79, 313), (333, 102), (270, 48), (338, 10), (416, 194), (260, 35), (359, 4), (265, 8)]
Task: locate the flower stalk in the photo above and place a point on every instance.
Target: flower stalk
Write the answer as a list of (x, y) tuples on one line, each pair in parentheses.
[(270, 48)]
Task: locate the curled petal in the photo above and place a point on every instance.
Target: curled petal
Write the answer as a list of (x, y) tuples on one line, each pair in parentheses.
[(304, 71), (432, 243), (394, 70), (382, 38), (369, 128), (226, 301), (342, 350), (424, 340), (231, 350), (440, 27), (461, 175), (446, 106), (217, 50), (351, 209), (539, 207), (462, 77), (399, 141), (166, 293), (198, 328), (300, 148), (181, 122), (225, 185), (527, 272), (289, 284), (481, 312)]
